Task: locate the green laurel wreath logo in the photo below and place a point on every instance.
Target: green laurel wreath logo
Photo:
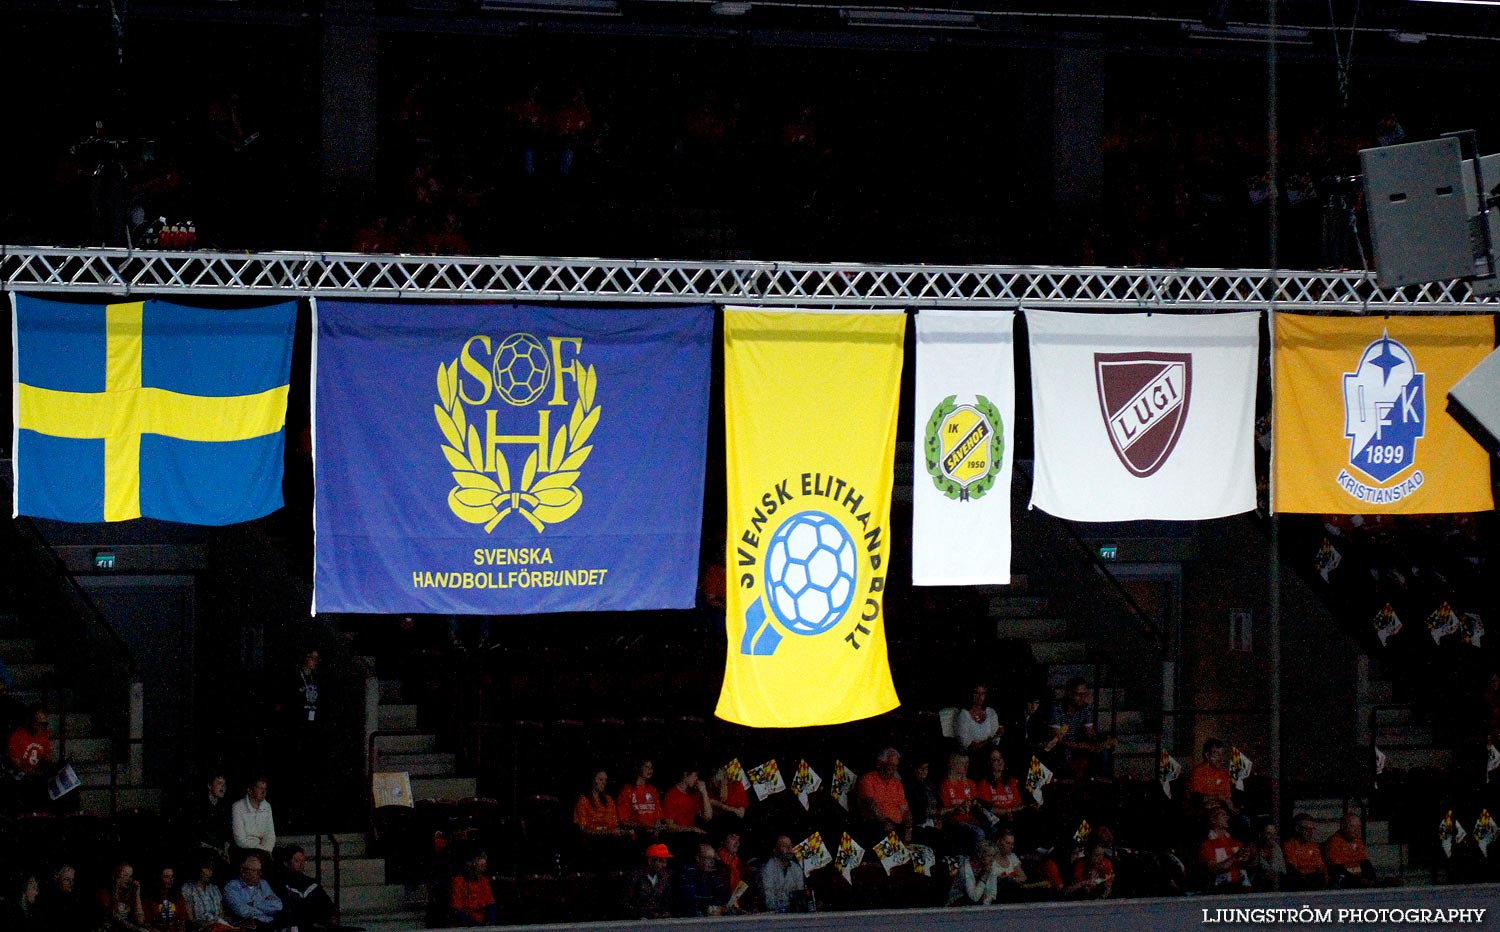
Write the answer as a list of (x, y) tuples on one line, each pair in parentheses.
[(548, 492), (934, 448)]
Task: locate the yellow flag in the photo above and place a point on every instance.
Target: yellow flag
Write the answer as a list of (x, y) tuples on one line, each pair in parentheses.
[(1361, 422), (810, 422)]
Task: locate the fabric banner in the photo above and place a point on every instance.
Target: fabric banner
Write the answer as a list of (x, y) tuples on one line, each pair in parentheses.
[(149, 409), (810, 405), (505, 459), (1143, 416), (1360, 415), (964, 446)]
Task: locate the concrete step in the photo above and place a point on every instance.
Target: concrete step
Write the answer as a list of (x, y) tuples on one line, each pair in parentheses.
[(92, 799), (17, 650), (1391, 736), (1377, 692), (1387, 859), (381, 900), (421, 765), (1032, 629), (1402, 716), (1135, 744), (1413, 758), (351, 844), (88, 750), (1126, 721), (31, 675), (1142, 767), (79, 724), (1018, 606), (390, 691), (1051, 652), (1017, 586), (398, 717), (454, 788), (415, 919), (406, 744), (354, 872)]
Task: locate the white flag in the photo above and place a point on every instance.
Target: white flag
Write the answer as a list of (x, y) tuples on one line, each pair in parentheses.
[(1484, 832), (849, 855), (1037, 776), (1167, 769), (1450, 833), (1491, 759), (766, 779), (805, 782), (963, 449), (1143, 416), (1240, 767), (812, 853)]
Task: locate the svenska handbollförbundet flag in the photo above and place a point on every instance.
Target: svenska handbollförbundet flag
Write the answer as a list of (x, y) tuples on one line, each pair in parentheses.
[(810, 405), (1361, 425), (1143, 416), (964, 446), (150, 409), (506, 459)]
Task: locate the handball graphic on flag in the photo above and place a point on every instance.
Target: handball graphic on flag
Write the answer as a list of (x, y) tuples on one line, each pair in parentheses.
[(810, 572)]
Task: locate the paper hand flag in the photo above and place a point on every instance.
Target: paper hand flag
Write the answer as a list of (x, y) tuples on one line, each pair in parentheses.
[(812, 854), (1167, 770), (1082, 835), (1450, 833), (1492, 759), (734, 771), (1037, 776), (805, 782), (891, 852), (923, 859), (1327, 559), (766, 779), (842, 783), (1473, 628), (1386, 624), (849, 856), (1239, 768), (1442, 623), (1484, 832)]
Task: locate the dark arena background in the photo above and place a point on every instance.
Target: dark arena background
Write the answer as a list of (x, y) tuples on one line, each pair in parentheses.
[(1181, 157)]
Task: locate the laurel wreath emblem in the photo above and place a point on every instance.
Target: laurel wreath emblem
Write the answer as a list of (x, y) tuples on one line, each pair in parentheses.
[(548, 492), (934, 449)]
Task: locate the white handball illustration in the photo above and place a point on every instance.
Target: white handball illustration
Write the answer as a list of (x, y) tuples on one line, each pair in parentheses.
[(810, 575)]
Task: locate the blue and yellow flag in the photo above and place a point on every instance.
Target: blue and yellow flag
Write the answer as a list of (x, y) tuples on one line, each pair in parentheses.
[(150, 409), (1361, 425), (810, 405)]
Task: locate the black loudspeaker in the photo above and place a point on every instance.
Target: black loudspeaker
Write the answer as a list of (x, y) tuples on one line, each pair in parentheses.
[(1419, 218), (1475, 403)]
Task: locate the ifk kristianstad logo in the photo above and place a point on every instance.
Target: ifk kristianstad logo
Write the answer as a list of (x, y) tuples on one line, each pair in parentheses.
[(509, 387), (1144, 399), (805, 576), (1385, 414), (964, 446)]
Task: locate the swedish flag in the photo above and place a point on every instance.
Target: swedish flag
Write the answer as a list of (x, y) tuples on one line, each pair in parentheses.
[(150, 409)]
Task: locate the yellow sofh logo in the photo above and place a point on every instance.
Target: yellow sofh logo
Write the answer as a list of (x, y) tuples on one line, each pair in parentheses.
[(520, 371)]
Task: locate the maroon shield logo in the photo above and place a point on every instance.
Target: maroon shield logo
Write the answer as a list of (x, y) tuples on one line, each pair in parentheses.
[(1144, 400)]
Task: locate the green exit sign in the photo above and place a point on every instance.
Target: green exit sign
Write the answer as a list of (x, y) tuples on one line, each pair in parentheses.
[(1108, 552), (104, 560)]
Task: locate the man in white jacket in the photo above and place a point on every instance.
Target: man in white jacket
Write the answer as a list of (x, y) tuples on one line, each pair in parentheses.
[(253, 827)]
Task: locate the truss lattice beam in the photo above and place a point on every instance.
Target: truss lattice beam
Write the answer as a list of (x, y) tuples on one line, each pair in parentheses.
[(833, 285)]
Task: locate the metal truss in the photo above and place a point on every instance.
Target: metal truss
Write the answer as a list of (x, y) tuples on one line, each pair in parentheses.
[(822, 285)]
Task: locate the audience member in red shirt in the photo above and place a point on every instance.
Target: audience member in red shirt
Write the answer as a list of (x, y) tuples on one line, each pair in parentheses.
[(729, 856), (1093, 874), (1305, 869), (881, 797), (30, 747), (686, 803), (1209, 785), (471, 901), (640, 803), (999, 793), (958, 798), (1222, 856), (1344, 853), (595, 812)]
